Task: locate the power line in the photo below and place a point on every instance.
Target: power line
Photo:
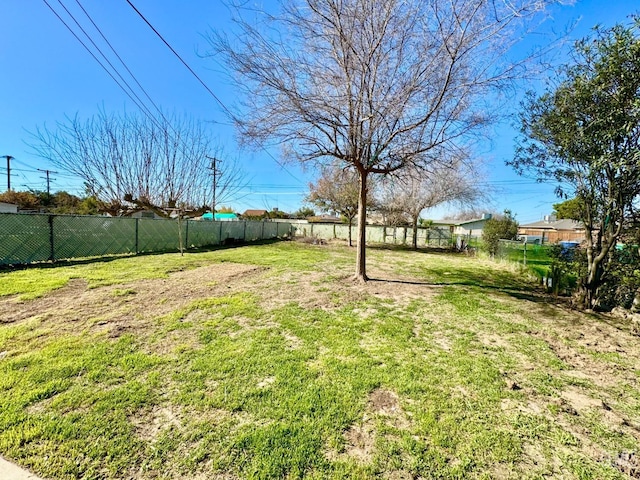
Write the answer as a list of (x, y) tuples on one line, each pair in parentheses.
[(181, 60), (130, 95), (121, 61), (224, 107), (24, 164), (145, 109)]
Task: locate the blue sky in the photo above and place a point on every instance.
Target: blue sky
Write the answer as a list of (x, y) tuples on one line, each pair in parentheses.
[(46, 74)]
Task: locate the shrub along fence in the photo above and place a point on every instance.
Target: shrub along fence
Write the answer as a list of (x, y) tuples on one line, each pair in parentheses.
[(28, 238)]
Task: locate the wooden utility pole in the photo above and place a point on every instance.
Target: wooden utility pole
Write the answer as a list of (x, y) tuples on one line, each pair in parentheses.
[(214, 170), (9, 158), (47, 172)]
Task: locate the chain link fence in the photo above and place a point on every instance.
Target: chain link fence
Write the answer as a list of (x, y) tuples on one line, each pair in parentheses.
[(536, 257), (29, 238)]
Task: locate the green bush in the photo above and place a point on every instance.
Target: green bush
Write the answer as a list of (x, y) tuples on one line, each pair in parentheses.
[(495, 229)]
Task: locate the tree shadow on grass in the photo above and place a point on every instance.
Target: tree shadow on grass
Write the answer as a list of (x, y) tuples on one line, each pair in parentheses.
[(434, 250), (527, 293), (402, 282)]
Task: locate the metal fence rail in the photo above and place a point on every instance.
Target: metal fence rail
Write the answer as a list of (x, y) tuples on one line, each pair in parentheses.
[(29, 238)]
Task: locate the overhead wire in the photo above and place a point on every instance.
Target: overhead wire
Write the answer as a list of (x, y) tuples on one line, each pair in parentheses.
[(224, 107), (122, 61), (130, 92), (93, 56), (127, 88)]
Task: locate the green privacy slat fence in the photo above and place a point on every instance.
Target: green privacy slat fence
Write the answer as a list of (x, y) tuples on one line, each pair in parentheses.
[(75, 236), (158, 235), (28, 238), (24, 238)]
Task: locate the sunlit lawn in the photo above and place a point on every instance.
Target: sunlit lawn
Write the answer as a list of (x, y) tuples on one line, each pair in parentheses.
[(447, 375)]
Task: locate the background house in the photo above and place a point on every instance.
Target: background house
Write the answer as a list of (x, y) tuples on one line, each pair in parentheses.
[(220, 216), (551, 230), (8, 208), (255, 214), (472, 227)]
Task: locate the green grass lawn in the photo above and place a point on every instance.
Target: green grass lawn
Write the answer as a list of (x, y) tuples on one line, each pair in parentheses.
[(267, 361)]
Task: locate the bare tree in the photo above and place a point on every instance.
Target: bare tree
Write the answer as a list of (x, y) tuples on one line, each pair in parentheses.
[(415, 191), (379, 85), (130, 162), (337, 191)]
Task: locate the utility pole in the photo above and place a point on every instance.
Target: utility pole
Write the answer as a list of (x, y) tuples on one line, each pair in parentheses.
[(9, 158), (214, 170), (47, 172)]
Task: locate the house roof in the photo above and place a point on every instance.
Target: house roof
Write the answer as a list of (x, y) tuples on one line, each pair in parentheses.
[(218, 216), (325, 219), (450, 221), (254, 213), (562, 224)]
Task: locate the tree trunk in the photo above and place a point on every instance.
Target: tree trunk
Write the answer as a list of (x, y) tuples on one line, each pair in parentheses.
[(361, 267), (596, 265), (350, 225), (414, 240), (589, 294)]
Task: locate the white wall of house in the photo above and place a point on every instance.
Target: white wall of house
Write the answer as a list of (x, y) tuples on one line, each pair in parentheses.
[(8, 208), (472, 228)]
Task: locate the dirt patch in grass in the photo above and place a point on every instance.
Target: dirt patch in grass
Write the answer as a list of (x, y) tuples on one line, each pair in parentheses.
[(150, 424), (360, 439), (127, 308)]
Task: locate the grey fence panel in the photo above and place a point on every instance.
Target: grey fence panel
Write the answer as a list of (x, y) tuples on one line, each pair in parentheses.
[(286, 229), (233, 230), (341, 231), (375, 234), (202, 233), (24, 238), (271, 229), (156, 235), (437, 237), (253, 231), (28, 238), (322, 230), (86, 236)]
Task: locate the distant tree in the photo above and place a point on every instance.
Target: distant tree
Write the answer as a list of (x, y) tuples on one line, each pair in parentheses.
[(63, 202), (414, 191), (499, 228), (224, 209), (425, 223), (59, 202), (88, 206), (471, 214), (131, 163), (24, 200), (569, 209), (304, 212), (277, 213), (584, 133), (337, 191), (378, 86)]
